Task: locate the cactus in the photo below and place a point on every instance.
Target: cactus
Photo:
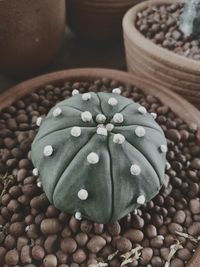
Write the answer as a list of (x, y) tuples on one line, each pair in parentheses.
[(99, 155), (190, 19)]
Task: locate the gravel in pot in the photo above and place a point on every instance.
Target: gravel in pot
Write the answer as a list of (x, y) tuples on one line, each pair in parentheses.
[(34, 233)]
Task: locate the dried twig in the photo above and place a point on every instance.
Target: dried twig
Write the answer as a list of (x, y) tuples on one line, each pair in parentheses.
[(6, 181), (99, 264), (190, 237), (131, 256), (173, 249), (111, 256)]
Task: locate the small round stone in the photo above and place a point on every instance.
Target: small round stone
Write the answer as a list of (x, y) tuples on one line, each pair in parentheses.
[(76, 131), (86, 96), (82, 194), (154, 115), (100, 118), (116, 91), (163, 148), (35, 172), (48, 151), (78, 215), (102, 131), (109, 127), (140, 131), (118, 139), (75, 92), (142, 110), (118, 118), (39, 121), (93, 158), (141, 200), (112, 101), (86, 116), (57, 112), (135, 170)]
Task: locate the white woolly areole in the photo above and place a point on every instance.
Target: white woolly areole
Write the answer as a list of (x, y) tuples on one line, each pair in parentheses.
[(39, 184), (86, 116), (116, 91), (82, 194), (154, 115), (75, 92), (93, 158), (39, 121), (100, 118), (142, 110), (35, 172), (57, 112), (78, 215), (112, 101), (118, 118), (163, 148), (140, 131), (135, 170), (109, 127), (48, 151), (141, 200), (102, 131), (167, 165), (118, 139), (86, 96), (76, 131)]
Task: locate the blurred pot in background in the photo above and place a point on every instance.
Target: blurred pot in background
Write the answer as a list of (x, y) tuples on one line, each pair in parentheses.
[(98, 19), (31, 33)]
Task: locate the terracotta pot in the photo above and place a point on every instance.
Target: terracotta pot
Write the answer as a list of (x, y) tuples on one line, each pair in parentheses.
[(31, 33), (98, 19), (182, 108), (162, 66)]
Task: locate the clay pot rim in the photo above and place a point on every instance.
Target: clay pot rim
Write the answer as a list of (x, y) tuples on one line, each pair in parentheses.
[(181, 107), (178, 61)]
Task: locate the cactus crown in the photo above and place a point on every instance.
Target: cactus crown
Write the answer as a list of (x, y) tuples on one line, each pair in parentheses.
[(99, 155)]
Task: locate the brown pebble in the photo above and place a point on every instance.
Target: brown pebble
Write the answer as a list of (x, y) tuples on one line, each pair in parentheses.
[(114, 229), (194, 205), (123, 244), (96, 243), (12, 257), (79, 256), (194, 229), (134, 235), (81, 239), (147, 254), (16, 229), (68, 245), (179, 217), (50, 261), (173, 227), (157, 242), (26, 255), (50, 226), (177, 263), (38, 253), (151, 231), (184, 254)]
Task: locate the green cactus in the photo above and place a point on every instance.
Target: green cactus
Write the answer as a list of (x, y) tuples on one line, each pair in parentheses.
[(190, 19), (99, 156)]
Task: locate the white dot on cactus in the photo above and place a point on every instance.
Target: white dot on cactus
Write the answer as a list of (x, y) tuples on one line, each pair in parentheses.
[(163, 148), (112, 101), (102, 131), (167, 165), (82, 194), (141, 200), (78, 215), (86, 116), (39, 121), (76, 131), (118, 139), (93, 158), (35, 172), (27, 228), (161, 237), (48, 151), (100, 118), (86, 96), (154, 115), (140, 131), (57, 112), (118, 118), (39, 184), (116, 91), (135, 170), (75, 92), (142, 110), (109, 127)]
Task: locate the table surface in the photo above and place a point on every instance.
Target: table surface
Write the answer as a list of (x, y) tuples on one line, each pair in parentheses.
[(77, 53)]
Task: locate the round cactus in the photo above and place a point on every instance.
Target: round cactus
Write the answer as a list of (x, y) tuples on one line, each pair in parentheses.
[(99, 155)]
